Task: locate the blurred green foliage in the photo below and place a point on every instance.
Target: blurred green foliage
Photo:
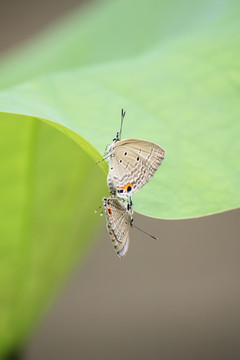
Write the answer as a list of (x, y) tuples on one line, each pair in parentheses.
[(47, 216), (174, 66)]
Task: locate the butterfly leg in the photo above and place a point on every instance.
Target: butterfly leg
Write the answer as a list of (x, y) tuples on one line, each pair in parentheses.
[(101, 213), (107, 153), (103, 159), (107, 149)]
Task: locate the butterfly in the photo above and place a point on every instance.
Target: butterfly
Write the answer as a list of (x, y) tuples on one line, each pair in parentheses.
[(118, 221), (132, 163)]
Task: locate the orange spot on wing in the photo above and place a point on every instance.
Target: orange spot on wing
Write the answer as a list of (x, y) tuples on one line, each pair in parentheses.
[(126, 186), (110, 211)]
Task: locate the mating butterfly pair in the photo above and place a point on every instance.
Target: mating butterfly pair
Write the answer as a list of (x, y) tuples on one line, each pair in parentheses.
[(132, 163)]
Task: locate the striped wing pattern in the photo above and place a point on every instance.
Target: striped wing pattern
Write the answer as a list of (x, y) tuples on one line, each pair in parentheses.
[(132, 164), (118, 221)]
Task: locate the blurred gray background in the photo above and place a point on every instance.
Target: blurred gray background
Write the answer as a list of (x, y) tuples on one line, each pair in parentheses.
[(175, 298)]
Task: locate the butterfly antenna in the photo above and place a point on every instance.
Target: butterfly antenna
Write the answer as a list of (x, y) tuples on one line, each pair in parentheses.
[(122, 117), (144, 232)]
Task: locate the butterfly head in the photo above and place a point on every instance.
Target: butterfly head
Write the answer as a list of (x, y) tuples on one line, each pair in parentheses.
[(117, 138), (107, 206)]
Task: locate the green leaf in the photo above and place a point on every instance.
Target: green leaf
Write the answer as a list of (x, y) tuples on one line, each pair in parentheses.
[(181, 96), (48, 196), (174, 66)]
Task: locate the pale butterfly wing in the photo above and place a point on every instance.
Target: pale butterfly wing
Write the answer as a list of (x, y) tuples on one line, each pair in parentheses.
[(118, 221), (132, 164)]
